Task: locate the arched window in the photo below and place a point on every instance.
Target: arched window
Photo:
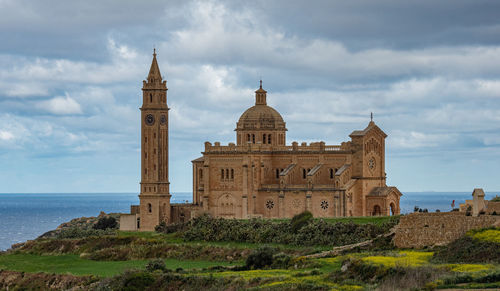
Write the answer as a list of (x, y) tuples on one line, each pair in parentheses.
[(264, 138), (151, 98), (227, 174), (222, 174), (150, 208), (253, 138), (269, 139), (248, 138), (232, 174), (277, 173), (304, 174)]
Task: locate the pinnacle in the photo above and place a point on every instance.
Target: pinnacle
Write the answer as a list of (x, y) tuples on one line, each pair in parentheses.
[(154, 72)]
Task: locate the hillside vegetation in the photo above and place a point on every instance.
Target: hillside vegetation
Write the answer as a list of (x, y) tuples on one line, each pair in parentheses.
[(219, 254)]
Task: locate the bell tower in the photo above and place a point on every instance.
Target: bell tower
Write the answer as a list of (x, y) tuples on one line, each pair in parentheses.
[(155, 194)]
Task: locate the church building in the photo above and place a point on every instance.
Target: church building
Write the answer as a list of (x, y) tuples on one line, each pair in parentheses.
[(259, 175)]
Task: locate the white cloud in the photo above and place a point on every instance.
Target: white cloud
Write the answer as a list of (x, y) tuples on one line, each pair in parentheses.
[(6, 135), (61, 106)]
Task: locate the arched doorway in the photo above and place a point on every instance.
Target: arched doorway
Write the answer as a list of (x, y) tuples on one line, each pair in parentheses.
[(376, 210), (393, 208)]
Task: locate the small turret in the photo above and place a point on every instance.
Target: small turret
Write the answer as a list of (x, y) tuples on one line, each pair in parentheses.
[(260, 96)]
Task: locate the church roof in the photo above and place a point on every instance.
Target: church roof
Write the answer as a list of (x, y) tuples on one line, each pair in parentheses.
[(370, 126), (200, 159), (383, 191), (342, 169)]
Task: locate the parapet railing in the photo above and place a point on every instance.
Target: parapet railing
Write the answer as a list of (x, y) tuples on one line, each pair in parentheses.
[(295, 147)]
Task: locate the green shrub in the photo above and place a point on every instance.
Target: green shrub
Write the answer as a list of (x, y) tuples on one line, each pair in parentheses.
[(156, 264), (171, 228), (137, 281), (260, 258), (313, 232), (300, 220), (105, 223), (281, 261), (469, 250), (75, 232)]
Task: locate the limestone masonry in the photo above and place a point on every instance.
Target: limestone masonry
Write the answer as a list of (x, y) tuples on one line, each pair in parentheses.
[(260, 175)]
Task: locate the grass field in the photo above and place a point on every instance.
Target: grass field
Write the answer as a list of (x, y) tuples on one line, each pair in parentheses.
[(73, 264)]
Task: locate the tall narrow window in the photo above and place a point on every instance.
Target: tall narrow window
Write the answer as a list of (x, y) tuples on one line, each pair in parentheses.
[(277, 173), (232, 174), (201, 174), (222, 174), (264, 138), (269, 139), (248, 138), (304, 173), (151, 98), (150, 208), (253, 138), (227, 174), (331, 173)]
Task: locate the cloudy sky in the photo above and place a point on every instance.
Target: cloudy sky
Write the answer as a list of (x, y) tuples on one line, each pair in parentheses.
[(71, 75)]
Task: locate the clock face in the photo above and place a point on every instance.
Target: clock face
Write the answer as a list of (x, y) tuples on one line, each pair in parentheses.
[(150, 119), (163, 119), (371, 163)]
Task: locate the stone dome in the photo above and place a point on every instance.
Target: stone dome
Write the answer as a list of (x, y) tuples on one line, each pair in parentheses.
[(261, 116)]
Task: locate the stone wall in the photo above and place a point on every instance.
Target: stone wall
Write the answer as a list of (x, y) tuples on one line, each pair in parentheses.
[(493, 207), (418, 230), (182, 212), (128, 222)]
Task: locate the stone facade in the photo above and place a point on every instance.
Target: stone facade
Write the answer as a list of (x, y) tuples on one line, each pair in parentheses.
[(260, 175), (418, 230)]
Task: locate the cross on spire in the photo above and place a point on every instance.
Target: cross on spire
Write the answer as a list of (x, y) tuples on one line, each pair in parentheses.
[(371, 116)]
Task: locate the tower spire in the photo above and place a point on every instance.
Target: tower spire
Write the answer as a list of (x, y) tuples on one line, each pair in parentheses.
[(154, 75)]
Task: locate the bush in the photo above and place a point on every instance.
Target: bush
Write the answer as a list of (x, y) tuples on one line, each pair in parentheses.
[(171, 228), (105, 223), (156, 264), (300, 220), (75, 232), (260, 258), (281, 261), (469, 250), (138, 281), (314, 232)]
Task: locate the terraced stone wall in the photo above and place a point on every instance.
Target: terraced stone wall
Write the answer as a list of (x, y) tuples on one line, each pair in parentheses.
[(418, 230)]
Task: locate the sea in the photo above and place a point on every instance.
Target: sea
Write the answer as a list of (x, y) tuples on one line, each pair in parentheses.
[(25, 216)]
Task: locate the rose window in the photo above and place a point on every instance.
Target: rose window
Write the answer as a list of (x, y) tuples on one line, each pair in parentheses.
[(324, 205), (269, 204)]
